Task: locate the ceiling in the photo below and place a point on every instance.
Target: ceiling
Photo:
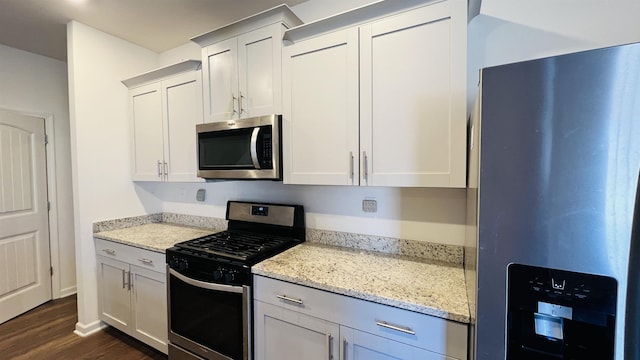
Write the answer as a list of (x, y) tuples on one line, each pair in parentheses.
[(39, 26)]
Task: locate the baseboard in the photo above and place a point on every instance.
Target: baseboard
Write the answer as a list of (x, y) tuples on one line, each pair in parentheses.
[(68, 291), (88, 329)]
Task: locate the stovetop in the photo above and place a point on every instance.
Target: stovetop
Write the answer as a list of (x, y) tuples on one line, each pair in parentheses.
[(255, 232), (238, 245)]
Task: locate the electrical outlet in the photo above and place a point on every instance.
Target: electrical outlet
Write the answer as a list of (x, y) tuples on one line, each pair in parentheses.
[(369, 205), (200, 194)]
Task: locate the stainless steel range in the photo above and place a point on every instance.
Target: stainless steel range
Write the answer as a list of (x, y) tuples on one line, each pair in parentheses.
[(209, 283)]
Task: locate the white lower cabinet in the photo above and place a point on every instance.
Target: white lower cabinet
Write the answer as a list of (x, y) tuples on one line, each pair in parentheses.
[(360, 345), (132, 292), (287, 334), (298, 322)]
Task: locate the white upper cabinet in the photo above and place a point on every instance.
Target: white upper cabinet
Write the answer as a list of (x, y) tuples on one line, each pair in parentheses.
[(378, 103), (320, 130), (145, 105), (182, 111), (220, 77), (165, 106), (242, 66)]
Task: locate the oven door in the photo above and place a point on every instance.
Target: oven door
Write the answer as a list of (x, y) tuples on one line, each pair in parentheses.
[(211, 320)]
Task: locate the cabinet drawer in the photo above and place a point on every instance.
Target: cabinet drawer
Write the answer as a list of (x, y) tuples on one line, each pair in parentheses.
[(132, 255), (404, 326)]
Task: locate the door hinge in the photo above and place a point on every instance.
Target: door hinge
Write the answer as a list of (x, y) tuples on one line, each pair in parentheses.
[(48, 205), (51, 270), (46, 139)]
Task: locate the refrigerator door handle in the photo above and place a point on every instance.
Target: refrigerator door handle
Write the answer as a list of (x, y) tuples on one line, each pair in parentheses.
[(632, 318)]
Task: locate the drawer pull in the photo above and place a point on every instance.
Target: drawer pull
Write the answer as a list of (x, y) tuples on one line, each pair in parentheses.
[(146, 261), (286, 298), (405, 330), (109, 251)]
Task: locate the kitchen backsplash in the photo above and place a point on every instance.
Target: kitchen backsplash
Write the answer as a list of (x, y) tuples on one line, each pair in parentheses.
[(419, 249), (412, 248)]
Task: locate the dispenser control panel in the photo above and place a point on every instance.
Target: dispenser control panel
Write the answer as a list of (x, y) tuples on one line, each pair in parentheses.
[(559, 288), (561, 314)]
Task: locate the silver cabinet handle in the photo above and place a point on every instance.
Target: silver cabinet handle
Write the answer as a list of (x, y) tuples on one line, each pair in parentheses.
[(109, 252), (402, 329), (289, 299), (124, 284), (241, 110), (159, 168), (365, 164), (233, 103), (351, 172), (344, 348), (130, 281), (329, 339), (146, 261), (166, 169)]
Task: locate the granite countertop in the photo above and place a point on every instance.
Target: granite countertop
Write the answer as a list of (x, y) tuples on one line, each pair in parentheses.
[(155, 236), (425, 286), (432, 284)]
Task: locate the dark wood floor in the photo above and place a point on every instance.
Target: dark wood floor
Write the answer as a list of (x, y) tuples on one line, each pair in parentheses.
[(46, 332)]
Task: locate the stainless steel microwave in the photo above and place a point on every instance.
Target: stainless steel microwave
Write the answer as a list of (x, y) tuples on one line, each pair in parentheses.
[(246, 149)]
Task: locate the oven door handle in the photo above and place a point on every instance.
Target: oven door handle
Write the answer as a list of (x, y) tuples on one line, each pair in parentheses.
[(207, 285)]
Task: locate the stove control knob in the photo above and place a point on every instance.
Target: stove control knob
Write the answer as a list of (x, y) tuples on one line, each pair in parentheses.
[(183, 265), (229, 277), (218, 274)]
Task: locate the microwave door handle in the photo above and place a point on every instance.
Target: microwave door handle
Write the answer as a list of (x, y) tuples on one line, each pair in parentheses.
[(254, 147)]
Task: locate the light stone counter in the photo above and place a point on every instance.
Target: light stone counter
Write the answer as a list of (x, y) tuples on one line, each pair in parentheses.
[(155, 236), (428, 287), (414, 275)]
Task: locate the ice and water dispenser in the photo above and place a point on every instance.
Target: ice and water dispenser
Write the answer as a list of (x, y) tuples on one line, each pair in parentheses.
[(555, 314)]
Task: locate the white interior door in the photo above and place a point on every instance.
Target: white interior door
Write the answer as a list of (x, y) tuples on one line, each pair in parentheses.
[(25, 278)]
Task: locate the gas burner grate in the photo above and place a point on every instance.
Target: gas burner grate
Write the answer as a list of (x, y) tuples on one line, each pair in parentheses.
[(236, 245)]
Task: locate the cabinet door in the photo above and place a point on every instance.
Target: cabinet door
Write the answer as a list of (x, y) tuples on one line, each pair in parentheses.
[(182, 110), (220, 76), (282, 334), (149, 299), (146, 127), (259, 71), (114, 301), (413, 104), (359, 345), (320, 114)]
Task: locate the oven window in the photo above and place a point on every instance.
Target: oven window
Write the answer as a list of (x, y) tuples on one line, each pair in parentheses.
[(225, 149), (209, 317)]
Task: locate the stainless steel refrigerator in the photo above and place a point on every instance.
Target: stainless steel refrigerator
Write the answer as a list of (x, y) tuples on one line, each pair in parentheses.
[(553, 178)]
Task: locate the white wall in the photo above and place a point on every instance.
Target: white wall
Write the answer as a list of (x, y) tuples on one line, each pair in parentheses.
[(103, 190), (100, 146), (37, 85), (100, 133), (189, 50), (435, 215), (318, 9), (516, 30)]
